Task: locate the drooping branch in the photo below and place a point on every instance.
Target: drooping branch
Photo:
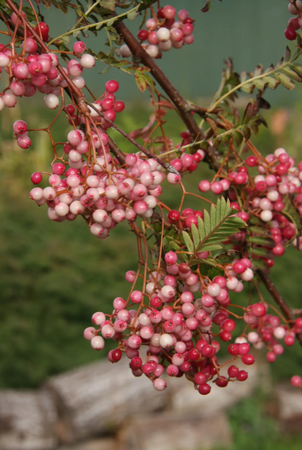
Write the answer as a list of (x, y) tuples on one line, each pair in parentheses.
[(286, 310)]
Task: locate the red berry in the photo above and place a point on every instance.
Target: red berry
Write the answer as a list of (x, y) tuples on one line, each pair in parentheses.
[(242, 375), (233, 349), (233, 371), (204, 389), (222, 382), (258, 309), (293, 23), (200, 378), (173, 216), (44, 28), (111, 86), (143, 35), (290, 34), (248, 359), (251, 161), (119, 106), (36, 178), (116, 355)]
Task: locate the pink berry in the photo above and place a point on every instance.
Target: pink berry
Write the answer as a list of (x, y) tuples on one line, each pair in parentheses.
[(168, 12), (111, 86), (296, 381), (79, 48), (20, 127), (24, 141)]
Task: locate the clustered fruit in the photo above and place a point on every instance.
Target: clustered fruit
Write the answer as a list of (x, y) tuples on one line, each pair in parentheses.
[(163, 32), (181, 319), (294, 8), (181, 316)]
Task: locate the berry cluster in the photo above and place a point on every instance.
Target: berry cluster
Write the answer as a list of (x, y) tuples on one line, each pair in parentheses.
[(295, 8), (265, 198), (176, 308), (176, 313), (41, 71), (164, 32), (102, 192)]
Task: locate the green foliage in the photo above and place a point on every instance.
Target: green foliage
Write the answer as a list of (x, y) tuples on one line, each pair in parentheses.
[(253, 428), (215, 228), (286, 72)]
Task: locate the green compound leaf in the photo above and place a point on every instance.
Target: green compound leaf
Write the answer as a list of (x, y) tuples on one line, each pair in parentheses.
[(215, 228), (195, 235), (286, 72), (188, 241)]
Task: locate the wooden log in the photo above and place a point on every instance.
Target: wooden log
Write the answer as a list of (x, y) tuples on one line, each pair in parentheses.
[(170, 430), (99, 397), (27, 420)]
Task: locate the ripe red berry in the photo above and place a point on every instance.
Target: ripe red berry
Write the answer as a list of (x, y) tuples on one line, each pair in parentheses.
[(111, 86), (44, 29), (200, 378), (248, 359), (242, 375), (258, 309), (290, 34), (204, 389), (233, 349), (173, 216), (233, 371), (293, 23), (36, 178), (222, 382), (116, 355)]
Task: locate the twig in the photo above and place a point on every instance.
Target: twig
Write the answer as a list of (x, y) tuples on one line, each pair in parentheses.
[(287, 311), (184, 108)]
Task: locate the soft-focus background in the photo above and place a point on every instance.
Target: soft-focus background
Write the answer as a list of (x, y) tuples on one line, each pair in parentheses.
[(55, 275)]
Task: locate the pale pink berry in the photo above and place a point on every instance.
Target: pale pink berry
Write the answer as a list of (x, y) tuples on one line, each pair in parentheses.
[(136, 296), (10, 100), (134, 342), (74, 137), (89, 333), (165, 340), (125, 51), (152, 51), (4, 60), (79, 82), (169, 12), (97, 342), (87, 61), (163, 34), (108, 331), (51, 101), (30, 45)]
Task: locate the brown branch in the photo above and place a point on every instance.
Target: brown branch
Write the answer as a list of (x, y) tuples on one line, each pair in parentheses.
[(183, 107), (164, 164), (287, 311), (113, 147)]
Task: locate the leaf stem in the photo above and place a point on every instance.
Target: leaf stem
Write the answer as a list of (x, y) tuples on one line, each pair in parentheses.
[(250, 80)]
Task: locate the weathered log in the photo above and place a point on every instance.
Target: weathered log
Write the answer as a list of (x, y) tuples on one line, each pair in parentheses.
[(170, 430), (99, 397), (27, 420)]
